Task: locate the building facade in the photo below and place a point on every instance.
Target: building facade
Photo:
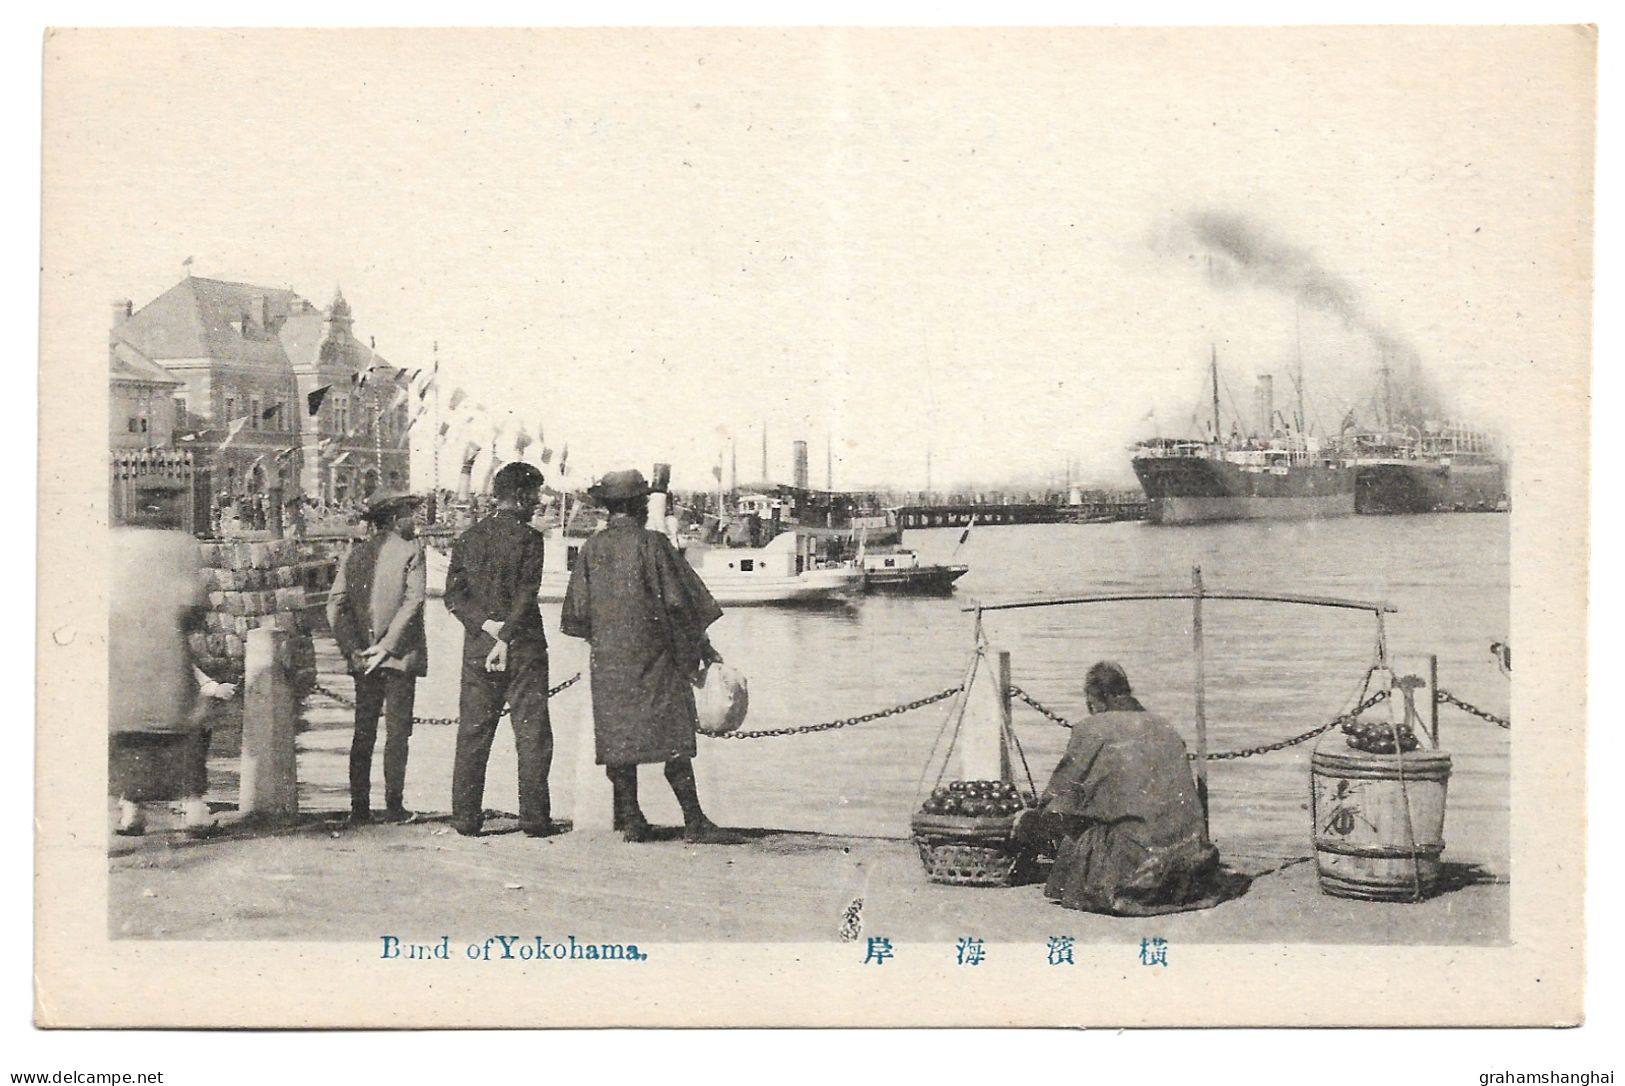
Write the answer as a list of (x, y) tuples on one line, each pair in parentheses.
[(254, 356)]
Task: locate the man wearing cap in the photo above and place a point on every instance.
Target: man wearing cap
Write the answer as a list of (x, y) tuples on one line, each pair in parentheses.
[(376, 612), (644, 611), (491, 586)]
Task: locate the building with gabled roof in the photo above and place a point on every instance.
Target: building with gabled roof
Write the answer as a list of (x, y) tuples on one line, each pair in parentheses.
[(255, 354)]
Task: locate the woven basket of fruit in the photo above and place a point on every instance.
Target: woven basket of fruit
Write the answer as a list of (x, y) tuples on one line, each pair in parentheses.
[(963, 832)]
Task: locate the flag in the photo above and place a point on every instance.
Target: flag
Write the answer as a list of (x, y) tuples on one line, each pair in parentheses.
[(400, 373), (324, 445), (233, 430), (270, 412), (313, 399), (547, 455), (400, 398), (563, 456), (341, 458), (285, 453), (521, 442), (457, 397), (445, 427), (716, 471), (423, 389), (1149, 415), (966, 533), (471, 453), (490, 472), (358, 379)]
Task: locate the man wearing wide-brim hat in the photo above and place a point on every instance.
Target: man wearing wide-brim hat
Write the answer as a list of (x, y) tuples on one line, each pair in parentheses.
[(644, 611), (376, 612)]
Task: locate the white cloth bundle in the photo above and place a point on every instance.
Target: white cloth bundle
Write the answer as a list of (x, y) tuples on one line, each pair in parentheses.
[(721, 699)]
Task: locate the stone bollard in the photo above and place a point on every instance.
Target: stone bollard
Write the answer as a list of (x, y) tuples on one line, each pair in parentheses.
[(269, 788)]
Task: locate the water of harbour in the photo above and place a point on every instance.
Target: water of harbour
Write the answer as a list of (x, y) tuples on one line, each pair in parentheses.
[(1272, 670)]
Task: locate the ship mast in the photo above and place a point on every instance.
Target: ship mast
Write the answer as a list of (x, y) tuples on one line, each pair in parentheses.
[(1388, 395), (1297, 324), (1214, 368)]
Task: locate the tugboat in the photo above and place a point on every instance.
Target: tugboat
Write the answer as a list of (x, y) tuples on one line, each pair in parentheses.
[(900, 571)]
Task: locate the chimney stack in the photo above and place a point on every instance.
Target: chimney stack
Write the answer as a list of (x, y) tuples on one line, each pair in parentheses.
[(1264, 404), (122, 309), (798, 452), (259, 310)]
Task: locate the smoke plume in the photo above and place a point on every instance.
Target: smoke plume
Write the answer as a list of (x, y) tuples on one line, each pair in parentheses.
[(1244, 252)]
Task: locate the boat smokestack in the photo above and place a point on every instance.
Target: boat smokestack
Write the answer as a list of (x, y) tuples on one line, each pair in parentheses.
[(798, 456), (1264, 405)]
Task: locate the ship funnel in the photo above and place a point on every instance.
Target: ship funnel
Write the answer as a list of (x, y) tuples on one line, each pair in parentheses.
[(1264, 406)]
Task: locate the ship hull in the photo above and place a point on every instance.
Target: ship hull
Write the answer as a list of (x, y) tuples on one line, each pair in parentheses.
[(1409, 487), (1193, 490), (920, 580)]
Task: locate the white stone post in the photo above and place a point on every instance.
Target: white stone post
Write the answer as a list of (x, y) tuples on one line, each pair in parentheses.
[(269, 788)]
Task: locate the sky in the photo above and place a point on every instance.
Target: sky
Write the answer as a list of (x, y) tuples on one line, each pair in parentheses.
[(1008, 251)]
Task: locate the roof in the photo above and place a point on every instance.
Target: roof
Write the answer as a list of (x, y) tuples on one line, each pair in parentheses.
[(125, 363), (218, 320), (211, 318)]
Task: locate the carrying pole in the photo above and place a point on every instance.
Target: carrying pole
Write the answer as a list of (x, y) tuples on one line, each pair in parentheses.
[(1201, 699), (1008, 721)]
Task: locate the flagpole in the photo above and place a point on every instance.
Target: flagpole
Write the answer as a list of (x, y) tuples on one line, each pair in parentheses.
[(435, 380), (377, 415)]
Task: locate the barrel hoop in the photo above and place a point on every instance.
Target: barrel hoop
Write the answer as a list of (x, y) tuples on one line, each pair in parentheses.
[(1418, 761), (1373, 891), (1382, 773), (1422, 851)]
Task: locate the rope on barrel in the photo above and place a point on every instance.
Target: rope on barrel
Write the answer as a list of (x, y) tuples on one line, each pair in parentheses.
[(843, 722), (1227, 755), (436, 721), (1445, 697)]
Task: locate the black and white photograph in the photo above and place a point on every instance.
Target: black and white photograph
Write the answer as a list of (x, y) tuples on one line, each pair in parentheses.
[(818, 510)]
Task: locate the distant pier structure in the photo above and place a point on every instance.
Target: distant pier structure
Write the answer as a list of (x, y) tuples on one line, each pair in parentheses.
[(1087, 509)]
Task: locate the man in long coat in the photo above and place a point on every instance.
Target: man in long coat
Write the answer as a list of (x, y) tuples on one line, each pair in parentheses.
[(158, 719), (376, 612), (645, 612), (1121, 815)]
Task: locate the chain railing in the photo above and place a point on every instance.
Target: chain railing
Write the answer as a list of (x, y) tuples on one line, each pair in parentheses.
[(436, 721), (1445, 697), (1227, 755), (846, 721)]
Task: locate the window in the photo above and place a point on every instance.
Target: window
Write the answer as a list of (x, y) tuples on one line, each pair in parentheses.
[(747, 565), (231, 411), (133, 427), (143, 426), (253, 412)]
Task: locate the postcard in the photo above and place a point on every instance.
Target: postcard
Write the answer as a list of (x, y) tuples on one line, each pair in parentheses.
[(814, 527)]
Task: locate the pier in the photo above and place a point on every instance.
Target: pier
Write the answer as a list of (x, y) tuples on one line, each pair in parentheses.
[(985, 513)]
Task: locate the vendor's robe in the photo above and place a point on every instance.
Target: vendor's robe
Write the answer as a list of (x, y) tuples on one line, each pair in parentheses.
[(644, 611), (158, 743), (1122, 816)]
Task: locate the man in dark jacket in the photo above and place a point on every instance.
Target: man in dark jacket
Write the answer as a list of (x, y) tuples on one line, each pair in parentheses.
[(1120, 814), (645, 611), (376, 612), (491, 586)]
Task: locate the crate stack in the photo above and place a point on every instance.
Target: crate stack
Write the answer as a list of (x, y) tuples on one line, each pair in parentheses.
[(252, 586)]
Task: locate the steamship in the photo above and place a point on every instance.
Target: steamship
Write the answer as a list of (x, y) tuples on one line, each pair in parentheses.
[(1434, 467), (1278, 473)]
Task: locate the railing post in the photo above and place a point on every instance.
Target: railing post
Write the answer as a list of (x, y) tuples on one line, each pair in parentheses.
[(269, 776), (1201, 699), (1433, 699), (982, 754)]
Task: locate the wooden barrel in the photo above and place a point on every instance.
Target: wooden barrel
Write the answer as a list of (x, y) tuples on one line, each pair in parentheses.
[(1378, 820)]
